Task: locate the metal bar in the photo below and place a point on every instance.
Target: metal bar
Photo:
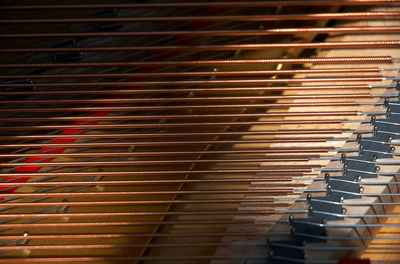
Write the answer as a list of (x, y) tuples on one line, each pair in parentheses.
[(259, 32), (316, 60), (187, 74), (148, 182), (165, 172), (174, 153), (162, 143), (189, 99), (200, 124), (174, 107), (181, 135), (157, 83), (205, 116), (111, 246), (265, 202), (304, 45), (91, 194), (89, 236), (137, 223), (149, 162), (80, 259), (276, 17), (205, 4), (112, 214)]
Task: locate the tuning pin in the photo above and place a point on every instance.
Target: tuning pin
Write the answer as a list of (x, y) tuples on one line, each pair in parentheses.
[(291, 220), (360, 150), (377, 168), (374, 157), (386, 103), (343, 158), (344, 211), (373, 120), (328, 190), (397, 86), (375, 131), (270, 255), (358, 139), (344, 170), (392, 149), (308, 199), (390, 138), (292, 233), (388, 113), (359, 178), (310, 212), (361, 190), (327, 178), (341, 199)]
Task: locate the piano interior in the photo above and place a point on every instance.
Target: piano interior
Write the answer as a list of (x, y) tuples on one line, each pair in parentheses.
[(201, 131)]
